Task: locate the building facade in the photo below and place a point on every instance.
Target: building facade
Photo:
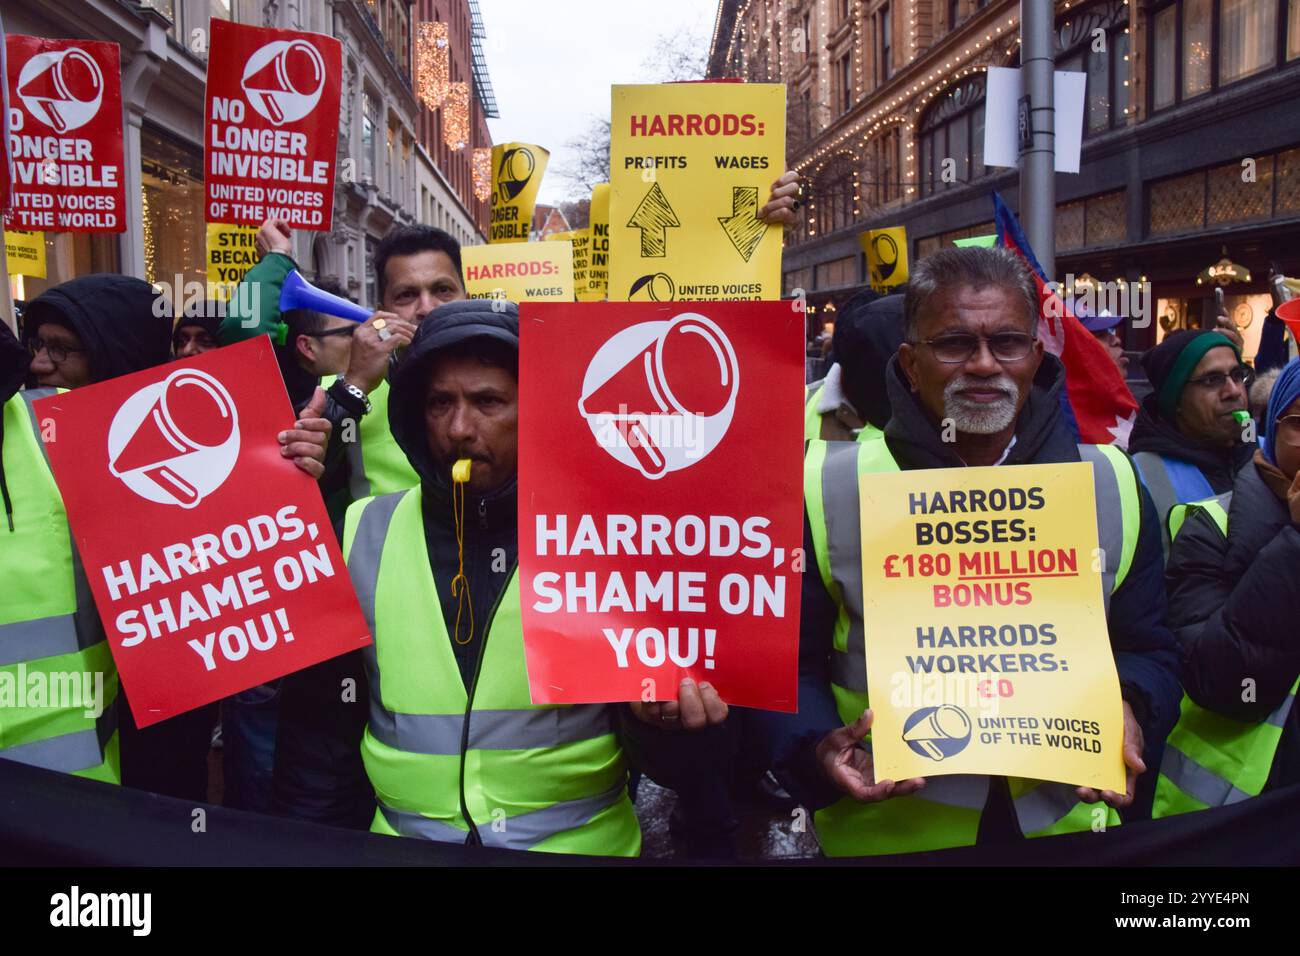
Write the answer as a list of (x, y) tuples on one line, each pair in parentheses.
[(385, 175), (1191, 137)]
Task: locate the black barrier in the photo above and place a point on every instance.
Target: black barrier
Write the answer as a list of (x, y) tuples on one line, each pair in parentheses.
[(51, 819)]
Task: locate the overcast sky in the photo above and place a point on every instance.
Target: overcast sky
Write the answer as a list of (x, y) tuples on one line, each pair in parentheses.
[(552, 63)]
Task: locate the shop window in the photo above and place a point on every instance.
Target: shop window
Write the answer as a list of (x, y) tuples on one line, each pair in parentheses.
[(172, 210), (953, 128), (1105, 63), (1247, 38), (1200, 45)]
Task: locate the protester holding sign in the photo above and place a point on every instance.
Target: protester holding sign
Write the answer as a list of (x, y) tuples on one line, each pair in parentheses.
[(453, 746), (417, 269), (88, 330), (973, 371), (1233, 598)]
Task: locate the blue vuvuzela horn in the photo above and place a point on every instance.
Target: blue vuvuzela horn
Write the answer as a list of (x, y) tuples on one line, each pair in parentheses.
[(298, 293)]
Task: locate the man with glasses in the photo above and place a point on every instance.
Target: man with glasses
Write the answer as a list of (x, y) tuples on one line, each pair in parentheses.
[(1193, 432), (970, 385)]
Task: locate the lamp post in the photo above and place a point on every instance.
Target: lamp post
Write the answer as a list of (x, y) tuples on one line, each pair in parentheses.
[(1038, 132)]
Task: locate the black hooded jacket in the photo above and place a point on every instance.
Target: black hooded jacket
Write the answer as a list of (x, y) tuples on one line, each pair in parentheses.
[(1146, 655), (1154, 433), (1232, 604), (124, 323)]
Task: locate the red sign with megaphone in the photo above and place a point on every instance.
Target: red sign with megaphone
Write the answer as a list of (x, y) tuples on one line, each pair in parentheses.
[(210, 555), (65, 135), (660, 505), (271, 125)]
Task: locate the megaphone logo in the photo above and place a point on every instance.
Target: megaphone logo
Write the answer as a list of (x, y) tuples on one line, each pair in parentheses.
[(176, 441), (659, 396), (516, 169), (937, 732), (885, 250), (62, 89), (283, 80), (656, 287)]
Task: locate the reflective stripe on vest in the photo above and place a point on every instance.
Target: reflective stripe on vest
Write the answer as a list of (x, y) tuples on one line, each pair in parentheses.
[(1216, 509), (532, 777), (1170, 482), (376, 463), (812, 419), (521, 832), (49, 629), (1212, 761), (831, 472)]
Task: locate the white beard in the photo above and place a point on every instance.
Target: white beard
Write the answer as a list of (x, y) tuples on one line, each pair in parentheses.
[(981, 418)]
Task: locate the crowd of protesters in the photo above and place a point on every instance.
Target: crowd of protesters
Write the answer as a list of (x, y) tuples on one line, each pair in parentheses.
[(441, 741)]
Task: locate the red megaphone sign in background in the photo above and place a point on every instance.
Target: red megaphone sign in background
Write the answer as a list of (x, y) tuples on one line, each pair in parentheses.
[(282, 82), (65, 99)]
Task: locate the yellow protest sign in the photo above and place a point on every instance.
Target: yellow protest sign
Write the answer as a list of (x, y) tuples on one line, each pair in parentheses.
[(987, 647), (598, 263), (690, 166), (519, 272), (517, 170), (886, 251), (582, 265), (230, 254), (25, 253)]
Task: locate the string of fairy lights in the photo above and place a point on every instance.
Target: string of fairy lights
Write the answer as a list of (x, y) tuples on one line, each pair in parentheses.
[(906, 106), (434, 86), (481, 167)]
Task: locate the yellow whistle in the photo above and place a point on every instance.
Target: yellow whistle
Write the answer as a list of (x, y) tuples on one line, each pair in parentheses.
[(460, 471)]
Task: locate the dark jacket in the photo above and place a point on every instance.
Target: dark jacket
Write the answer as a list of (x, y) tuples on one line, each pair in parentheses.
[(1154, 433), (125, 324), (1145, 652), (319, 775), (1233, 604)]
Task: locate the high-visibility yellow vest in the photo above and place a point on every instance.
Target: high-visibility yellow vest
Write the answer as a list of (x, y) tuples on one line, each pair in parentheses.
[(443, 759), (376, 463), (54, 657), (812, 420), (947, 812), (1211, 760)]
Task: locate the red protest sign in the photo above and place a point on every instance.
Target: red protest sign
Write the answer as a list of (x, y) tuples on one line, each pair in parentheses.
[(660, 510), (210, 555), (65, 135), (272, 125)]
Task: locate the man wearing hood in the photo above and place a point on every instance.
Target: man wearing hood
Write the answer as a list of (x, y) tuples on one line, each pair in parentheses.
[(1189, 440), (851, 404), (971, 371), (452, 747), (78, 333), (94, 328)]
